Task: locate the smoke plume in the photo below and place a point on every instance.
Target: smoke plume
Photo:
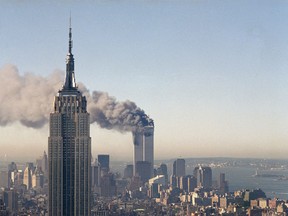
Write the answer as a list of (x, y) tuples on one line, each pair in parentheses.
[(28, 99)]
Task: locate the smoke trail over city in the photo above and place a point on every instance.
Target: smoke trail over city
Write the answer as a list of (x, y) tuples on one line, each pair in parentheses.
[(28, 99)]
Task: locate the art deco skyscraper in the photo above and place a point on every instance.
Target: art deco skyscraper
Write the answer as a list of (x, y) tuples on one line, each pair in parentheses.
[(69, 149)]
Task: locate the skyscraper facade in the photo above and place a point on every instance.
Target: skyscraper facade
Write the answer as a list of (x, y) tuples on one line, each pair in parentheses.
[(69, 149), (27, 178), (144, 147), (204, 176), (179, 167), (104, 161)]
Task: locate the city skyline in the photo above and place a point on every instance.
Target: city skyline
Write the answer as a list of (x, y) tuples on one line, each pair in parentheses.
[(212, 74)]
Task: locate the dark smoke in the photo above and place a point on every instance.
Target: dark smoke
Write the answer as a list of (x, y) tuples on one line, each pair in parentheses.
[(28, 99), (111, 114)]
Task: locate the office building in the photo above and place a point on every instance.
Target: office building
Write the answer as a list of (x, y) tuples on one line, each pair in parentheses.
[(173, 181), (223, 184), (162, 170), (159, 179), (10, 198), (204, 176), (3, 210), (143, 138), (38, 178), (143, 170), (192, 183), (128, 171), (27, 177), (153, 191), (44, 164), (95, 175), (103, 161), (183, 183), (148, 147), (179, 168), (108, 185), (4, 179), (69, 149)]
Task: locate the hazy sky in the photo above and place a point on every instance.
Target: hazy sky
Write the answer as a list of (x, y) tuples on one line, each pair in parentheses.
[(212, 74)]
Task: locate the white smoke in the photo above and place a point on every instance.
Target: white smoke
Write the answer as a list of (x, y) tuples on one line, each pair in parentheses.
[(28, 99)]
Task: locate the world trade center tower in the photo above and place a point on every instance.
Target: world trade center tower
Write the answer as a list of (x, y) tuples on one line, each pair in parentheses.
[(69, 148)]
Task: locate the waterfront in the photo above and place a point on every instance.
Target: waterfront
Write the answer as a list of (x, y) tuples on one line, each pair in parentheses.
[(243, 178)]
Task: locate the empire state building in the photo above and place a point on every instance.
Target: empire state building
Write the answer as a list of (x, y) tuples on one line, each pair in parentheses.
[(69, 148)]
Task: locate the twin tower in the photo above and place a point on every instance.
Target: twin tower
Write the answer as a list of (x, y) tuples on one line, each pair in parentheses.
[(143, 158), (69, 149)]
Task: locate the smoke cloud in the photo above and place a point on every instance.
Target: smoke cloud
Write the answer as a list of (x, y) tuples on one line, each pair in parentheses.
[(28, 99)]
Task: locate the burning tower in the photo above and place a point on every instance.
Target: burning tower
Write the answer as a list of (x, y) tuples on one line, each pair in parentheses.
[(143, 137)]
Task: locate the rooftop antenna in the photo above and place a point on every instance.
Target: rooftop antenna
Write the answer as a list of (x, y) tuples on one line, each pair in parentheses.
[(70, 34)]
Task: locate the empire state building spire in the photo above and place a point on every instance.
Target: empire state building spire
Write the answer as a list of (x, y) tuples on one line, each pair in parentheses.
[(70, 83), (69, 149)]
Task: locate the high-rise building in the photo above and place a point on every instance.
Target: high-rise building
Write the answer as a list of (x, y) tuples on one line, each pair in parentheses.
[(144, 146), (44, 164), (3, 210), (69, 149), (192, 183), (143, 170), (10, 198), (223, 184), (108, 185), (162, 170), (4, 179), (148, 146), (179, 168), (104, 161), (128, 171), (95, 174), (12, 170), (38, 178), (183, 183), (27, 177), (204, 176)]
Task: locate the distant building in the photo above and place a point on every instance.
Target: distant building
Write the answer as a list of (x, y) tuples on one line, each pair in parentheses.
[(44, 164), (162, 170), (12, 171), (95, 175), (4, 179), (108, 185), (204, 176), (223, 184), (10, 198), (179, 168), (153, 191), (143, 170), (38, 178), (192, 183), (183, 183), (159, 179), (143, 139), (104, 163), (253, 195), (173, 181), (128, 171), (3, 210), (27, 177)]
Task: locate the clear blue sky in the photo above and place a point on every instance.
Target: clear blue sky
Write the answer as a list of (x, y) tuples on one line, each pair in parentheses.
[(212, 74)]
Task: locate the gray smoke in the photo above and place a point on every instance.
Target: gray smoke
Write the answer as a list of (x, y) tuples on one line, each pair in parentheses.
[(28, 99)]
